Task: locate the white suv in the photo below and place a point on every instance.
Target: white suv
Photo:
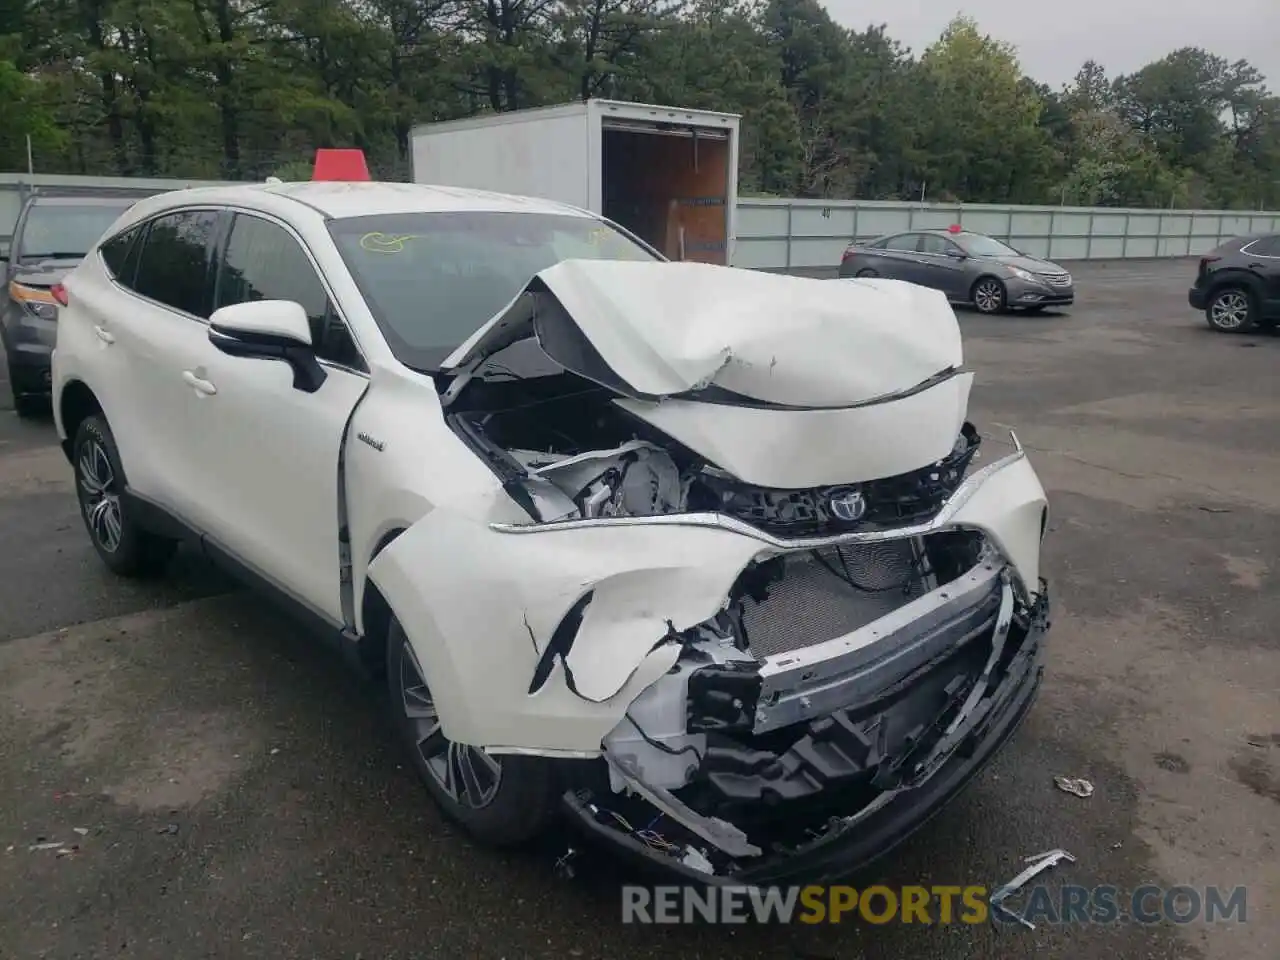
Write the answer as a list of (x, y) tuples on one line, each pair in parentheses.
[(692, 554)]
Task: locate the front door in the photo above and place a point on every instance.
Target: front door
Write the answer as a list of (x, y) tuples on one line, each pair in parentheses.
[(942, 266), (270, 454)]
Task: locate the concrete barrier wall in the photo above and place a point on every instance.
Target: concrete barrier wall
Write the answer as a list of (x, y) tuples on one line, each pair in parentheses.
[(808, 236)]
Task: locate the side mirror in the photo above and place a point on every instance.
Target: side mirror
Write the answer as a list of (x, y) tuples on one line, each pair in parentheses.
[(269, 330)]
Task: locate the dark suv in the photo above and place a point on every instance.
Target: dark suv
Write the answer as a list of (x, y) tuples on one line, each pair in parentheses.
[(1238, 286), (52, 235)]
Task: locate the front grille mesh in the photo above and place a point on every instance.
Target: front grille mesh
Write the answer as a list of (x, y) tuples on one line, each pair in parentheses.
[(824, 596)]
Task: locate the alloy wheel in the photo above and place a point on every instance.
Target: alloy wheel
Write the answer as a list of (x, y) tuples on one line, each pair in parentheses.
[(467, 775), (100, 498), (987, 296), (1230, 310)]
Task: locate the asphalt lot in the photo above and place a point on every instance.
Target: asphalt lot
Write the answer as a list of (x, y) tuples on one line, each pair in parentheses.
[(243, 797)]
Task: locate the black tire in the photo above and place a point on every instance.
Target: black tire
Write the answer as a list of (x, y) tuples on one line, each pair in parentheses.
[(29, 407), (25, 405), (1232, 310), (124, 546), (866, 272), (988, 295), (509, 809)]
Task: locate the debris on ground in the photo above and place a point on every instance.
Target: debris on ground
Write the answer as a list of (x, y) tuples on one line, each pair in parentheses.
[(564, 866), (1215, 509), (1078, 786), (44, 845), (170, 828), (1039, 863), (83, 831)]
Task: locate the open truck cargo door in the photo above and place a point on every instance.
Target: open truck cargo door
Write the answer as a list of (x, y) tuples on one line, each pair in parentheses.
[(667, 174)]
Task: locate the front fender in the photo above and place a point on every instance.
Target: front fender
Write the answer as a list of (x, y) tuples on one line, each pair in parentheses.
[(480, 607)]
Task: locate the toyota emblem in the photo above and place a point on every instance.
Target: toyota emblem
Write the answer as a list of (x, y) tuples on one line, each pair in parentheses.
[(847, 505)]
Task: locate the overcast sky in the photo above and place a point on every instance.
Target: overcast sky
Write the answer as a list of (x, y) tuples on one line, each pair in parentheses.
[(1054, 38)]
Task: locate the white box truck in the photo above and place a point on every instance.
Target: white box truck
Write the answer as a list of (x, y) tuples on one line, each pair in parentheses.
[(667, 174)]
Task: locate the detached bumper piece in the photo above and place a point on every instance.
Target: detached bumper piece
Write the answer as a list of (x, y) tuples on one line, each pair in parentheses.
[(823, 799)]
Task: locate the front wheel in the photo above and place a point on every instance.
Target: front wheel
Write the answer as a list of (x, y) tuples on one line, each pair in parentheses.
[(124, 546), (988, 295), (865, 273), (499, 800), (1231, 311)]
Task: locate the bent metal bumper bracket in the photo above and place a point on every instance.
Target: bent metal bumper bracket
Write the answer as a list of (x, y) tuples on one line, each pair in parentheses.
[(800, 685)]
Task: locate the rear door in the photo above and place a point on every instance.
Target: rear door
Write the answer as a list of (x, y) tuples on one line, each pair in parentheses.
[(895, 257), (1262, 256), (148, 323), (269, 454)]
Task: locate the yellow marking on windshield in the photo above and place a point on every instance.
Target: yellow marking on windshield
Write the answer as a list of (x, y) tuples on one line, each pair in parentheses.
[(385, 243)]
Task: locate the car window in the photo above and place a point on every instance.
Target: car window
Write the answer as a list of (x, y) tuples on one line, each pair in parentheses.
[(263, 261), (433, 279), (932, 243), (173, 267), (976, 245), (120, 254), (903, 242), (65, 230), (1264, 247)]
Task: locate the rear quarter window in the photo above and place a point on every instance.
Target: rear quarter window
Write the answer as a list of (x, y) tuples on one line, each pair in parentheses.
[(120, 255)]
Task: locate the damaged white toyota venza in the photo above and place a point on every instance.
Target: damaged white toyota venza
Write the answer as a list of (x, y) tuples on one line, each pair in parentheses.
[(697, 556)]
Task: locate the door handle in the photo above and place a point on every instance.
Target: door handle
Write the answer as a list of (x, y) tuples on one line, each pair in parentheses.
[(199, 384), (103, 335)]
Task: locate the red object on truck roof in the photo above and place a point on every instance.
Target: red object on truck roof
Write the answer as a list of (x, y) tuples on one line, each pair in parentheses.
[(954, 228), (340, 165)]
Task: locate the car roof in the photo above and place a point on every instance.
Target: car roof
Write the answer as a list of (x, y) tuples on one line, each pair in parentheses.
[(933, 231), (340, 200)]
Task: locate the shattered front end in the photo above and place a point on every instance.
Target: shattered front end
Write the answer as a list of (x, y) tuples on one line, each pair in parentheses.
[(766, 602), (847, 689)]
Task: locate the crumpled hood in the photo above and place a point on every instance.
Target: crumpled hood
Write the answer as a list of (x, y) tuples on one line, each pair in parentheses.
[(654, 330)]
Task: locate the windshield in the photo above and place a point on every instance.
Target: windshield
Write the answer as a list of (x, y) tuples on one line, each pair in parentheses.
[(433, 279), (977, 245), (66, 230)]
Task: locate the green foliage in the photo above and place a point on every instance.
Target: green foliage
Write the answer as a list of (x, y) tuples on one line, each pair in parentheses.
[(245, 89)]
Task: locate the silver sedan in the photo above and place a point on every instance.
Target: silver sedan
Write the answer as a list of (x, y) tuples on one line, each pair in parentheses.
[(968, 267)]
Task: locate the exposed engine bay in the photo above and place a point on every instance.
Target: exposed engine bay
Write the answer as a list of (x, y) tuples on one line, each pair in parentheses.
[(570, 451)]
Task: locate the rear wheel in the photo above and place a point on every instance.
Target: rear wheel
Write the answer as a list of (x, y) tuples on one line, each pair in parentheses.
[(866, 272), (1231, 310), (124, 546), (988, 295), (500, 801)]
